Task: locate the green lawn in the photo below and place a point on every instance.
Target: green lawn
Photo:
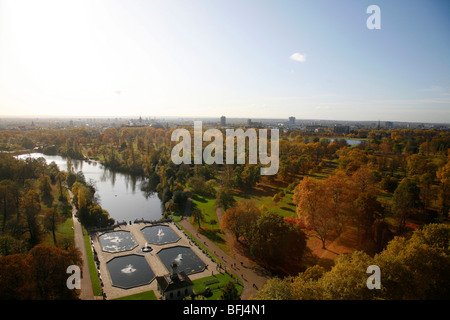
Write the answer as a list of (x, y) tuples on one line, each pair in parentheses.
[(92, 269), (64, 234), (215, 283), (263, 194), (211, 231), (206, 205), (147, 295)]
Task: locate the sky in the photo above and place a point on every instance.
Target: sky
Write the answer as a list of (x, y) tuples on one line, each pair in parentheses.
[(238, 58)]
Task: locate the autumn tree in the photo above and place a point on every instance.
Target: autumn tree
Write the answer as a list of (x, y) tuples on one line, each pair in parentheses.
[(411, 269), (49, 275), (15, 274), (406, 201), (314, 207), (279, 245), (239, 219), (443, 175)]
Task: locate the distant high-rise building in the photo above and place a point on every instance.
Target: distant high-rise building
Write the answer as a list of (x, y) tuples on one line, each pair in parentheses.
[(291, 120), (341, 129), (223, 121)]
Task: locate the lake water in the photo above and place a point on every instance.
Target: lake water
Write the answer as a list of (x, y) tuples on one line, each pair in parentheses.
[(350, 142), (120, 194)]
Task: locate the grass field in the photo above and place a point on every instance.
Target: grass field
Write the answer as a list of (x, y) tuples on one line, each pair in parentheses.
[(262, 195), (64, 234), (147, 295), (92, 269), (215, 283)]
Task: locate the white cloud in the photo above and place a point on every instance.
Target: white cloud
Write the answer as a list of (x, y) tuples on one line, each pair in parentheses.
[(298, 57)]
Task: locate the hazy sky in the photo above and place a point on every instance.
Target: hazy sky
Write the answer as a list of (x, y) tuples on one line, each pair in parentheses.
[(238, 58)]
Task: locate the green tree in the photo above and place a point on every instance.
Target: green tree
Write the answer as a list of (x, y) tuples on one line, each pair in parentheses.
[(229, 292), (198, 216), (224, 198)]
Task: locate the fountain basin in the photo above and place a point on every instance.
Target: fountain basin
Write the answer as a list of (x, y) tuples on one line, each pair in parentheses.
[(160, 234), (185, 259), (117, 241), (129, 271)]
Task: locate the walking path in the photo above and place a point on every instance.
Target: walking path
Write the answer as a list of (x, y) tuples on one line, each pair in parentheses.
[(86, 284), (252, 279)]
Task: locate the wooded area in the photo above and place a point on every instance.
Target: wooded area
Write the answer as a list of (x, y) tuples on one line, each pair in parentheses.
[(391, 184)]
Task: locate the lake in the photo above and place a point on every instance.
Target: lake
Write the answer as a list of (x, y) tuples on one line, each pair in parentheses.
[(120, 194), (350, 142)]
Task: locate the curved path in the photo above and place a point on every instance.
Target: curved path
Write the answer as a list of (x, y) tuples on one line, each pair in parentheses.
[(238, 264)]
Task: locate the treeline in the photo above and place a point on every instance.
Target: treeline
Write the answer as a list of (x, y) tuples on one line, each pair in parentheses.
[(40, 274), (414, 268), (33, 203)]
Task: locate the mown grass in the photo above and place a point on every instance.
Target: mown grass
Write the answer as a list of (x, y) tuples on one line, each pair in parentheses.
[(215, 283), (262, 196), (64, 233), (147, 295), (211, 231), (96, 288)]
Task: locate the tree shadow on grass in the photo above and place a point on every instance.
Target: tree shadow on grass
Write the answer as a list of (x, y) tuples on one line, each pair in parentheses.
[(213, 235), (198, 198)]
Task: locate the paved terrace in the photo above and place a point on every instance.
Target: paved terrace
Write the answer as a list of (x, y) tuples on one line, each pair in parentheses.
[(154, 262)]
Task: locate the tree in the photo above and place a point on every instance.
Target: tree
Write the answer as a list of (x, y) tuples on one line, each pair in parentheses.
[(406, 201), (198, 216), (229, 292), (49, 275), (276, 243), (276, 198), (98, 217), (443, 175), (314, 207), (239, 218), (45, 190), (415, 268), (224, 198), (31, 207), (15, 274), (366, 210), (6, 200), (50, 221)]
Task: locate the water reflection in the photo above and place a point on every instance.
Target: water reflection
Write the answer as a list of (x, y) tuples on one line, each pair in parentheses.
[(117, 191)]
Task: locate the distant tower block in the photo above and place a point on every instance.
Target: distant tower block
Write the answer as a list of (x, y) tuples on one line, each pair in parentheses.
[(223, 121), (291, 120)]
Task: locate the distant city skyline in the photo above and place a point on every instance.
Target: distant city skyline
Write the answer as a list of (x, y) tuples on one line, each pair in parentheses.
[(241, 59)]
